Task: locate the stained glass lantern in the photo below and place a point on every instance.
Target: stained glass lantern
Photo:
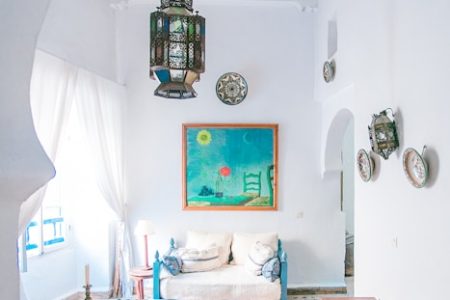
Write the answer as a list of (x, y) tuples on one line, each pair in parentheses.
[(383, 134), (177, 48)]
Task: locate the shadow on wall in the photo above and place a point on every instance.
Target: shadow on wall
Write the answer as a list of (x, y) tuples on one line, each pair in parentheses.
[(400, 131), (432, 158)]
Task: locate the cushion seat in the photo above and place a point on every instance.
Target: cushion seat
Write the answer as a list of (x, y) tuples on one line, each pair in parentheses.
[(229, 282)]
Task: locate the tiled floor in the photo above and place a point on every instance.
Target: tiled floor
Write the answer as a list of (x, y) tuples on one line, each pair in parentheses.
[(349, 282)]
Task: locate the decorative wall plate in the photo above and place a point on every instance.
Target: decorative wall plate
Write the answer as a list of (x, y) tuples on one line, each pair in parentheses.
[(365, 165), (415, 167), (231, 88), (329, 70)]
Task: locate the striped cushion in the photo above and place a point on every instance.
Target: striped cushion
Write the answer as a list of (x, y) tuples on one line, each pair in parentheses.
[(198, 260)]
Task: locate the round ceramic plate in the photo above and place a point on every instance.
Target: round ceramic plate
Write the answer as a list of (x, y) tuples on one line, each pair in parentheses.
[(231, 88), (415, 167), (365, 165)]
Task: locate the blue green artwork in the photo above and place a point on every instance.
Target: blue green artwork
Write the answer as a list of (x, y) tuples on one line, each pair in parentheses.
[(230, 166)]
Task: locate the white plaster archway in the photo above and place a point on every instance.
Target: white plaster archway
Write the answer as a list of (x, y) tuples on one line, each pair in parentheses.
[(337, 119), (335, 136), (24, 166), (337, 113)]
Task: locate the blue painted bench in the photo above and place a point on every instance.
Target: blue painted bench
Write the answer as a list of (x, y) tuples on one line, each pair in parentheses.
[(283, 272)]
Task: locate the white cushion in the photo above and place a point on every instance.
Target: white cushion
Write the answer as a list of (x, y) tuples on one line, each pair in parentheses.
[(242, 243), (195, 260), (203, 240), (259, 254), (229, 282)]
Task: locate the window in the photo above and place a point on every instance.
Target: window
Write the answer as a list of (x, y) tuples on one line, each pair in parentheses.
[(47, 230)]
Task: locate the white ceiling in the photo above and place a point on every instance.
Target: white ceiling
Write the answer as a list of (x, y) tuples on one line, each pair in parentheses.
[(303, 5)]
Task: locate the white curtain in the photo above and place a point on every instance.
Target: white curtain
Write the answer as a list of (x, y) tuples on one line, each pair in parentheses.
[(100, 105), (51, 95)]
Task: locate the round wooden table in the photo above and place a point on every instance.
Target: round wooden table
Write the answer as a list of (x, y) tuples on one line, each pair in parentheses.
[(138, 275)]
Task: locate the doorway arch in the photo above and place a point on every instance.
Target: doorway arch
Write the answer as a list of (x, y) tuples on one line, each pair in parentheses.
[(337, 135), (339, 162)]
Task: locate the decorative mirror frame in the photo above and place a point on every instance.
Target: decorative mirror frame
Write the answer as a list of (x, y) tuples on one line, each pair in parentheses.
[(383, 134)]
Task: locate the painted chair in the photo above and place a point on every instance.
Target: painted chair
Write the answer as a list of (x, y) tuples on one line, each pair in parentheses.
[(252, 183), (270, 183)]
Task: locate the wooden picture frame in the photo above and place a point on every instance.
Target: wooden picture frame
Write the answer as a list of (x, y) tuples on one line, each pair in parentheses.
[(230, 166)]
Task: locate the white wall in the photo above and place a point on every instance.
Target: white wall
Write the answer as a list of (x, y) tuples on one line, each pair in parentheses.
[(81, 32), (24, 167), (396, 55), (348, 184), (273, 48)]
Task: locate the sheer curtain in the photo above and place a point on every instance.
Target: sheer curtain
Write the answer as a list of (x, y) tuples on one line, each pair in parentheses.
[(56, 86), (100, 104), (51, 96)]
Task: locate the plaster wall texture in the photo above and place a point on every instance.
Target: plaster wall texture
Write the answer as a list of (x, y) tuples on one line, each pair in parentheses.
[(273, 48), (395, 54)]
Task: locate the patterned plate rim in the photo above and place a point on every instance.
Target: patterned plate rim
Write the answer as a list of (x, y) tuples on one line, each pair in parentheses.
[(363, 152), (409, 174)]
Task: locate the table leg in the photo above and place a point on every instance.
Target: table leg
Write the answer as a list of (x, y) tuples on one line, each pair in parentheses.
[(140, 289)]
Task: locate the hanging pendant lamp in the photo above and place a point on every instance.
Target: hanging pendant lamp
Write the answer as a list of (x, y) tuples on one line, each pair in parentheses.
[(177, 48)]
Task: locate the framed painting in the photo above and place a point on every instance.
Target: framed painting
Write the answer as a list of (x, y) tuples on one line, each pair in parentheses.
[(230, 166)]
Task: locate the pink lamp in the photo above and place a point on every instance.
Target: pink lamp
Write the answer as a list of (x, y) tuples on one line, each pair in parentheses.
[(145, 228)]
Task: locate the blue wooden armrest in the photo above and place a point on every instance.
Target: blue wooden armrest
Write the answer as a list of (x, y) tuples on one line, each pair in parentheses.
[(283, 270), (157, 272), (156, 275)]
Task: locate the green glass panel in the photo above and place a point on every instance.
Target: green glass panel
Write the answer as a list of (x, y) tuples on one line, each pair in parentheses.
[(177, 25), (153, 23), (178, 29), (191, 31)]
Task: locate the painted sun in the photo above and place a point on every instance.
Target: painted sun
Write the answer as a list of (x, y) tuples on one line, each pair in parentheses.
[(204, 137)]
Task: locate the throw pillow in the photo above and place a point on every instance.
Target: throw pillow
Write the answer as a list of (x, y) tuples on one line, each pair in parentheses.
[(202, 240), (198, 260), (271, 269), (242, 243), (259, 254), (171, 262)]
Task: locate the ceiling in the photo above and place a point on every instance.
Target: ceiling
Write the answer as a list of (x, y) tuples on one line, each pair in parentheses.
[(303, 5)]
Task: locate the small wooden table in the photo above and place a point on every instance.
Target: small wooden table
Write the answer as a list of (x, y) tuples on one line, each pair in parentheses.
[(138, 275)]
